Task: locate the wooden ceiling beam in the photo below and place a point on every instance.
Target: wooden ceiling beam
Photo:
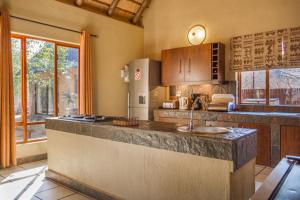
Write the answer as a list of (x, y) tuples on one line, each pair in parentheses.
[(140, 11), (136, 2), (112, 7), (117, 8), (118, 13)]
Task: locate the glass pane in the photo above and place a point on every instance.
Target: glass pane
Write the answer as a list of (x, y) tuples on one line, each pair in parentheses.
[(36, 131), (17, 74), (68, 59), (253, 85), (19, 133), (40, 79), (285, 86)]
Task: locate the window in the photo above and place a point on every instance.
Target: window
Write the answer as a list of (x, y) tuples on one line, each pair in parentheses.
[(285, 86), (68, 80), (253, 89), (45, 83), (270, 87)]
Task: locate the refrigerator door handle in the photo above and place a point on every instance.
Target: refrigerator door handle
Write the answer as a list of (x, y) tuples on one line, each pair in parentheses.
[(180, 66)]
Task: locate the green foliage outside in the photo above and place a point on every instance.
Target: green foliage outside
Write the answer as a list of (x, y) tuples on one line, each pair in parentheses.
[(40, 63)]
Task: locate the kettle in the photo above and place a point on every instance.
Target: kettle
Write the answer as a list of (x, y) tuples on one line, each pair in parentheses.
[(183, 103)]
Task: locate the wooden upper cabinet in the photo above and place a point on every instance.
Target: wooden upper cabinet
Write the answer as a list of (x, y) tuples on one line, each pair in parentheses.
[(173, 66), (198, 63), (195, 64)]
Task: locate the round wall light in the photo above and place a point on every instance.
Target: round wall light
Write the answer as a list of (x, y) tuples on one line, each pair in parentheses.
[(78, 2), (196, 35)]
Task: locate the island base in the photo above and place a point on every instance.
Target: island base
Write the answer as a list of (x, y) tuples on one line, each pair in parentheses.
[(126, 171)]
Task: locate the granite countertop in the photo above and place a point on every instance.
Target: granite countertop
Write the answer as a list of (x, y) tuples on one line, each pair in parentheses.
[(281, 118), (238, 146), (270, 114)]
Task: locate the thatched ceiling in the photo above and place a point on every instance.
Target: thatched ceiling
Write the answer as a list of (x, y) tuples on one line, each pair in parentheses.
[(130, 11)]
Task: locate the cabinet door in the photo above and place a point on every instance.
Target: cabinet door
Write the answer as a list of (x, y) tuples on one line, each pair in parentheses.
[(290, 140), (198, 63), (172, 66), (263, 142)]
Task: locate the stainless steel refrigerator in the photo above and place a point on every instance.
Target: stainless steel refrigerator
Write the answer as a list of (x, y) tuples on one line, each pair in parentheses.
[(145, 91)]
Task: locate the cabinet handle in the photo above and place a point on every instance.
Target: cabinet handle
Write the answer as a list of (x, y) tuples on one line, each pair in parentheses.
[(180, 66), (189, 65)]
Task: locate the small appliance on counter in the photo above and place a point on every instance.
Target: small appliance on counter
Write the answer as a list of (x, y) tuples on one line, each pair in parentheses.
[(171, 104), (196, 101), (222, 102), (183, 103)]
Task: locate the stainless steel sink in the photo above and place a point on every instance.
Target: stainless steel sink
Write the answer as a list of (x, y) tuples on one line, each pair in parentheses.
[(204, 130)]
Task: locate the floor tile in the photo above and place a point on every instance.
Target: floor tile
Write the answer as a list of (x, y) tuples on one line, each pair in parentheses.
[(46, 185), (44, 162), (28, 181), (260, 177), (55, 193), (13, 190), (259, 168), (76, 196), (1, 179), (257, 185), (32, 188), (35, 198), (34, 164), (7, 171), (266, 171), (25, 173)]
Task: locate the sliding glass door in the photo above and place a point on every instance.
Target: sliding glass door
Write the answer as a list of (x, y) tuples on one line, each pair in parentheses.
[(45, 83)]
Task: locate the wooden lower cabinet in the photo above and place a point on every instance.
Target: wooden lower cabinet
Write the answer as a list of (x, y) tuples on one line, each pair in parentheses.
[(290, 140), (263, 142)]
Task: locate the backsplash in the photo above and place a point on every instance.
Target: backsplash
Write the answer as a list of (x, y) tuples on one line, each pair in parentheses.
[(206, 89)]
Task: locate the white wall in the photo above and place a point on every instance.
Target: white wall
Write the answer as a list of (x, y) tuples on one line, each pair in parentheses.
[(167, 21), (31, 149), (117, 44)]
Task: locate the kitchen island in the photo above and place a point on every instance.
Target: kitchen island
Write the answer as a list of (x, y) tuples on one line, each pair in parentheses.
[(151, 161)]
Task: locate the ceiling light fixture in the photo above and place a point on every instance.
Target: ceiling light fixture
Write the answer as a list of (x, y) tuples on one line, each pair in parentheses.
[(196, 35), (79, 2)]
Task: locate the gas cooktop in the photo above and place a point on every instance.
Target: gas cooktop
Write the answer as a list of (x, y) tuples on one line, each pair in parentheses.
[(87, 118)]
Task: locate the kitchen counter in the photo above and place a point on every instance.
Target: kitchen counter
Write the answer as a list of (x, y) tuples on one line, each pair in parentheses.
[(150, 161), (281, 118), (275, 121), (238, 145)]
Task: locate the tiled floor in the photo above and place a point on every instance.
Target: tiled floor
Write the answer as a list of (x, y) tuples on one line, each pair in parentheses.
[(261, 173), (28, 181)]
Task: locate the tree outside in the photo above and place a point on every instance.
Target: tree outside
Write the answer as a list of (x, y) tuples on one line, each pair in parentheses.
[(40, 62)]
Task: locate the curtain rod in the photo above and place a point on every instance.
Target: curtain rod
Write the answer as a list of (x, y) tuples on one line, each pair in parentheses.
[(50, 25)]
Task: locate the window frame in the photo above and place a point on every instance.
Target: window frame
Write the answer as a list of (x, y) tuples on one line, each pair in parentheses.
[(267, 88), (24, 122)]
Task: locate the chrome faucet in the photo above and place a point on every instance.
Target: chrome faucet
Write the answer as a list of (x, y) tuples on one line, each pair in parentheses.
[(191, 123)]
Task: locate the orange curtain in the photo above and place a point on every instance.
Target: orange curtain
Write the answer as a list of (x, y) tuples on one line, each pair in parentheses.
[(7, 114), (85, 75)]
